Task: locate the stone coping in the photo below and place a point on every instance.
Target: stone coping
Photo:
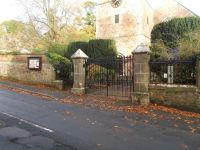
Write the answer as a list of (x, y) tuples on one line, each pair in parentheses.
[(173, 88)]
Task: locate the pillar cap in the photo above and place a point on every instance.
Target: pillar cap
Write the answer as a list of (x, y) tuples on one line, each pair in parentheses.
[(79, 54), (142, 48)]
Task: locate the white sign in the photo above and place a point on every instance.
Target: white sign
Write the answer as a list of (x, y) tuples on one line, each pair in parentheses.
[(34, 63), (165, 75)]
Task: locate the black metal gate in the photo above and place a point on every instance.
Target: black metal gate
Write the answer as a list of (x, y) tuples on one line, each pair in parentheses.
[(110, 76)]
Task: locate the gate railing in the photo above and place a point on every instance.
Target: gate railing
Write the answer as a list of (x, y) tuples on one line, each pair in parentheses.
[(173, 72), (110, 76)]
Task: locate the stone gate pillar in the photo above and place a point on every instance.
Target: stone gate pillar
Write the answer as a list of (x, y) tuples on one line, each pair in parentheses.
[(141, 57), (79, 58)]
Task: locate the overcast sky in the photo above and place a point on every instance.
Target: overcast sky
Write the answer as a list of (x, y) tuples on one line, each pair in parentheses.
[(10, 9)]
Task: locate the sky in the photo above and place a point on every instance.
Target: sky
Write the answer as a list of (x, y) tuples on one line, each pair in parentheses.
[(11, 9)]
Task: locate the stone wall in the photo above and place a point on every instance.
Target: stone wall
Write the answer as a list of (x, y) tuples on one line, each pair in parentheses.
[(15, 67), (186, 97)]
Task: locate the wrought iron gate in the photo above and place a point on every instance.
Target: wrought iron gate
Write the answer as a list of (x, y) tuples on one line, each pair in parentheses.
[(110, 76)]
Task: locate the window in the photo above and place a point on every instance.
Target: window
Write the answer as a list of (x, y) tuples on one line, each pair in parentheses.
[(117, 18)]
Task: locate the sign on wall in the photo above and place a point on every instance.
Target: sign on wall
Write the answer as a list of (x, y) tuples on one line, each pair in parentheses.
[(35, 63)]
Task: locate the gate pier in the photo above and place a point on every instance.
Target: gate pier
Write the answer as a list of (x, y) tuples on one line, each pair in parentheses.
[(79, 58), (141, 57)]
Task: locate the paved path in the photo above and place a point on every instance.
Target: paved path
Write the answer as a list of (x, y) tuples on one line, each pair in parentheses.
[(90, 129), (48, 91)]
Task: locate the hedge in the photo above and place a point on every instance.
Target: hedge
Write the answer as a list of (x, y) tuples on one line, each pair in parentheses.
[(74, 46), (177, 38), (101, 48), (97, 48), (171, 31)]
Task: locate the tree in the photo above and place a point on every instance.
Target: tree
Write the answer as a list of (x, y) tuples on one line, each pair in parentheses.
[(51, 17), (90, 18), (16, 35), (89, 26)]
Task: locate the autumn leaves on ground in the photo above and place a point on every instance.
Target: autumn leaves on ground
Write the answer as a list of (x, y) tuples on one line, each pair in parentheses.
[(153, 113)]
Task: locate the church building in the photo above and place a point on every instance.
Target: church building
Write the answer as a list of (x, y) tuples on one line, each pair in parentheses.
[(130, 22)]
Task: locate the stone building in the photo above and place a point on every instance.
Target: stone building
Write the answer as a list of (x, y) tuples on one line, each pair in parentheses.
[(130, 22)]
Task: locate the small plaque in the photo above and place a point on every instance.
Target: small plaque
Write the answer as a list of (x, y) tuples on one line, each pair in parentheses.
[(34, 63), (165, 75)]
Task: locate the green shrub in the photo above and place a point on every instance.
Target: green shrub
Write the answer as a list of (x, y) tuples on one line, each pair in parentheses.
[(189, 45), (57, 48), (63, 68), (74, 46), (169, 32), (100, 48), (97, 48), (175, 34), (56, 59)]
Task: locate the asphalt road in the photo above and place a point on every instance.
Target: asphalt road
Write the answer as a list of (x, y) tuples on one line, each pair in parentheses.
[(81, 128), (17, 134)]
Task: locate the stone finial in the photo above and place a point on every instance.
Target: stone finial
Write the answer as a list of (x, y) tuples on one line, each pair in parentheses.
[(79, 54), (142, 48)]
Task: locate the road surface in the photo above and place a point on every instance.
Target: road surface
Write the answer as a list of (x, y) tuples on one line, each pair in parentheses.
[(83, 128)]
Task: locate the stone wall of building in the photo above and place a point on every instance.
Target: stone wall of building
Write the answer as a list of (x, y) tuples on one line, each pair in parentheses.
[(134, 22), (171, 9), (147, 22), (182, 97), (15, 67)]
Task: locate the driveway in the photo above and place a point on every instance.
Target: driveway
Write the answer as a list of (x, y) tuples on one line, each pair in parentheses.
[(85, 128)]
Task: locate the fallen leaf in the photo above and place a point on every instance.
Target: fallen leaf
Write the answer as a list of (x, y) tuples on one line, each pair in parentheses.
[(175, 125), (193, 130), (99, 145), (184, 146)]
